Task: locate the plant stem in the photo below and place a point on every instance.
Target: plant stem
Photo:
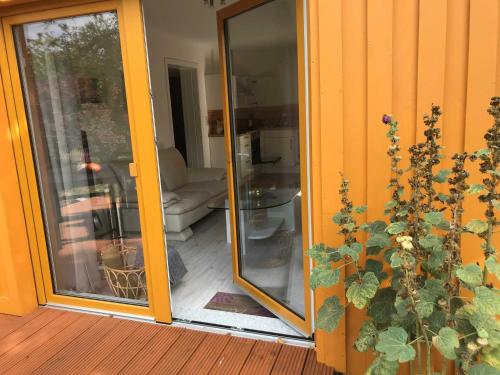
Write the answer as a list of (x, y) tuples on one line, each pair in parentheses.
[(419, 352)]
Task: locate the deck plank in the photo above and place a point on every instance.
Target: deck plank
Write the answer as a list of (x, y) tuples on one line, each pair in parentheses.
[(51, 341), (233, 357), (146, 358), (202, 361), (9, 323), (290, 361), (17, 336), (175, 358), (41, 337), (261, 359), (312, 367), (114, 363), (37, 358), (123, 330), (78, 349)]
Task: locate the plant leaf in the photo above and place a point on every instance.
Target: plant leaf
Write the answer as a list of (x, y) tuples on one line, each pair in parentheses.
[(329, 314), (493, 266), (434, 218), (441, 176), (487, 300), (376, 267), (366, 338), (352, 251), (320, 253), (491, 356), (382, 366), (360, 294), (323, 275), (471, 274), (396, 260), (396, 227), (379, 240), (477, 226), (374, 227), (446, 342), (431, 241), (393, 343), (382, 307), (443, 197), (360, 209), (337, 219), (475, 189), (482, 369)]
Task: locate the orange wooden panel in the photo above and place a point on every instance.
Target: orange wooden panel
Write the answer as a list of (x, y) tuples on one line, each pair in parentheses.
[(233, 357), (202, 361)]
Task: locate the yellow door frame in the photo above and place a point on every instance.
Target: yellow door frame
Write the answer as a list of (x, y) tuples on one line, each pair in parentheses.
[(304, 324), (134, 58)]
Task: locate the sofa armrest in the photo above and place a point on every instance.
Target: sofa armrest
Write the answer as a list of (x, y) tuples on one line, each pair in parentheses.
[(206, 174)]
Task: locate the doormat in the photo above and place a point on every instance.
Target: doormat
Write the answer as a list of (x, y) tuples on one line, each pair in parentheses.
[(237, 303)]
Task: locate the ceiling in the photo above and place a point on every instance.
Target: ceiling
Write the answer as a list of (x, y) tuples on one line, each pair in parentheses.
[(192, 19)]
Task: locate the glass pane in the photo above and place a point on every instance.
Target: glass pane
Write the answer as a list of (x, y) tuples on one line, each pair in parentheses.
[(74, 91), (262, 64)]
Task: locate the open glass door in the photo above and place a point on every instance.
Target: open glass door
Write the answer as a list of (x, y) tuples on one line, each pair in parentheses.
[(262, 61), (87, 140)]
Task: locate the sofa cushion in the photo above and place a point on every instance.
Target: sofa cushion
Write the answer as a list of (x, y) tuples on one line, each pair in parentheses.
[(189, 201), (173, 169), (212, 188), (170, 198)]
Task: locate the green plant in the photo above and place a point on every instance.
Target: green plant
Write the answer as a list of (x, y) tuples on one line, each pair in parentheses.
[(412, 279)]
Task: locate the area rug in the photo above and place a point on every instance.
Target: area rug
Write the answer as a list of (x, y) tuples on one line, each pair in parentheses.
[(237, 303)]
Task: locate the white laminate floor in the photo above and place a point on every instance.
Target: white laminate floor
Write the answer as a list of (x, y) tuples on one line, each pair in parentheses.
[(207, 257)]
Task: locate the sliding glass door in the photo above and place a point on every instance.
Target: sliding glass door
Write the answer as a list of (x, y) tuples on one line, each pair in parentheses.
[(78, 137), (262, 52)]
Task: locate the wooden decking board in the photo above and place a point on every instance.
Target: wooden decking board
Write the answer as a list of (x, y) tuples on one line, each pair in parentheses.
[(115, 338), (41, 337), (9, 323), (262, 358), (31, 327), (233, 357), (312, 367), (175, 358), (204, 358), (144, 361), (121, 355), (60, 342), (290, 361), (37, 358), (77, 349)]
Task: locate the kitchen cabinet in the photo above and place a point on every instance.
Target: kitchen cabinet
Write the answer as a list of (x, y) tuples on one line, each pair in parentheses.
[(280, 143)]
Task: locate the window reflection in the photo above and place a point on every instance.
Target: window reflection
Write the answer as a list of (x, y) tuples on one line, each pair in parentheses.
[(72, 77)]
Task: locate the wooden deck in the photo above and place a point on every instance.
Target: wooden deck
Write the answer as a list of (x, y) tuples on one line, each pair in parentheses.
[(51, 341)]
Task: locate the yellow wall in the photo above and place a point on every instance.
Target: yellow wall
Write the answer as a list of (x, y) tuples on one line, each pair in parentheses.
[(370, 57)]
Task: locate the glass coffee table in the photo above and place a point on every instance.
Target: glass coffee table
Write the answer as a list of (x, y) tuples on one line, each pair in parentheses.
[(263, 211)]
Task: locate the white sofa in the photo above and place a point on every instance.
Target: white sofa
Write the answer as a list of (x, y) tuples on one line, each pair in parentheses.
[(187, 192)]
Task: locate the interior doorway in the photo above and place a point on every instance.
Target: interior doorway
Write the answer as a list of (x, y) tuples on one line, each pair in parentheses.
[(213, 244)]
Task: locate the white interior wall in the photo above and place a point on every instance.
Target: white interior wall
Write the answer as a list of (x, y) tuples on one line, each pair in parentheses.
[(162, 45)]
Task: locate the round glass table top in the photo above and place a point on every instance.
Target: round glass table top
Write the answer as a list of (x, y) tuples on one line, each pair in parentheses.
[(257, 199)]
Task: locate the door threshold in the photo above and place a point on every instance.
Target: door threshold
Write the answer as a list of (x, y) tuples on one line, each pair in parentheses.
[(245, 333), (197, 326)]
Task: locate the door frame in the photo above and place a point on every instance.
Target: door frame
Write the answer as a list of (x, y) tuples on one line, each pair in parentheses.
[(305, 325), (129, 13)]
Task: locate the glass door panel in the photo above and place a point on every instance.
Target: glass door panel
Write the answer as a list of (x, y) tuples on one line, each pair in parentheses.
[(74, 94), (262, 75)]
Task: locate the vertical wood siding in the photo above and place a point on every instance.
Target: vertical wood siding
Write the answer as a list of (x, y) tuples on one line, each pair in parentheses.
[(368, 58)]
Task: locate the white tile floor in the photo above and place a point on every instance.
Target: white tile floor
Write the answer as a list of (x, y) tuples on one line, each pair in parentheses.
[(207, 257)]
